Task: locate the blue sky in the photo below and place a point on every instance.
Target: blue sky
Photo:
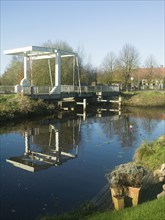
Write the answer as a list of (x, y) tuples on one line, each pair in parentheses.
[(98, 27)]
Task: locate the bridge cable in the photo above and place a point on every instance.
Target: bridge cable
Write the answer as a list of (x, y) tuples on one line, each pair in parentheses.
[(50, 72)]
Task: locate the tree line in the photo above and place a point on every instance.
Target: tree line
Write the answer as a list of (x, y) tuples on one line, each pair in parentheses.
[(114, 69)]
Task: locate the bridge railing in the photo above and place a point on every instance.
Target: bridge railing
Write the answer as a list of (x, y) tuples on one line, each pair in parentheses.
[(104, 88), (64, 88), (7, 89), (70, 88), (88, 89)]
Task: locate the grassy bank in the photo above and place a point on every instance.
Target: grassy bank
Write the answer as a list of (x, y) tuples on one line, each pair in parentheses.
[(149, 211), (152, 156), (144, 98), (18, 106), (14, 106)]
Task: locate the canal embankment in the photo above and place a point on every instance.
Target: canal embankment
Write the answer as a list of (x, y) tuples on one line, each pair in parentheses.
[(17, 106), (150, 99)]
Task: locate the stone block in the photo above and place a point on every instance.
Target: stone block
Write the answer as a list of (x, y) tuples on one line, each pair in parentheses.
[(157, 173), (162, 167), (161, 179), (163, 187), (162, 194)]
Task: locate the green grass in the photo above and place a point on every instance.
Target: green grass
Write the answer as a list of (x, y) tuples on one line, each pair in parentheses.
[(153, 210), (151, 154), (144, 98)]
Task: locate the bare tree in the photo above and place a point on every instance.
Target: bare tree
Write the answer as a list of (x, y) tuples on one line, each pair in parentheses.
[(150, 64), (127, 62), (87, 71), (109, 66)]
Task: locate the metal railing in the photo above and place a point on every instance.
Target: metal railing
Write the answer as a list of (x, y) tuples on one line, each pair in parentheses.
[(64, 88), (7, 89)]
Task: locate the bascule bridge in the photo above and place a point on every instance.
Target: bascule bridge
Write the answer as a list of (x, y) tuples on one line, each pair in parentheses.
[(56, 91)]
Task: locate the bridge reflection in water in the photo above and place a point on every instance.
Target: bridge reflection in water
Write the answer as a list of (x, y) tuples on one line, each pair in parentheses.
[(52, 155)]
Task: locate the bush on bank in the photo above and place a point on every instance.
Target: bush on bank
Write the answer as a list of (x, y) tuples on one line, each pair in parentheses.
[(18, 106)]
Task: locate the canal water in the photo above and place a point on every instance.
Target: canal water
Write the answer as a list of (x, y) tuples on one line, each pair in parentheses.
[(52, 165)]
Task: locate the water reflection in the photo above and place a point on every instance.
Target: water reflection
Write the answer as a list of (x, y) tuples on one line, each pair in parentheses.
[(78, 152), (55, 144), (41, 157)]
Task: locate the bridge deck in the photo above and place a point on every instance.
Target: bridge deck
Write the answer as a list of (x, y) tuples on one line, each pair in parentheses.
[(70, 95), (42, 91)]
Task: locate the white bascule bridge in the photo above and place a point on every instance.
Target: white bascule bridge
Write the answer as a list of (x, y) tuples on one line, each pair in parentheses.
[(33, 53), (55, 91)]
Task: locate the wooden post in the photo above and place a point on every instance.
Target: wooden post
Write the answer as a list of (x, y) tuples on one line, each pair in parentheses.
[(84, 104), (27, 144), (119, 103), (118, 202), (134, 192)]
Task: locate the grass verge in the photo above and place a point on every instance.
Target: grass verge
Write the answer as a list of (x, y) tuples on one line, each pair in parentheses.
[(144, 98), (148, 211), (151, 154)]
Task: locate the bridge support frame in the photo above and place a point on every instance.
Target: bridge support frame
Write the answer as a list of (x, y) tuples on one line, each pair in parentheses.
[(25, 81), (58, 72), (37, 53)]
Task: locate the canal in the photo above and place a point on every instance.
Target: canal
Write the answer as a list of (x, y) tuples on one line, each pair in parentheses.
[(52, 165)]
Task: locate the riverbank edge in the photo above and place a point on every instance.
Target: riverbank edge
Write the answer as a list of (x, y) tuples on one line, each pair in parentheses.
[(17, 107), (87, 211), (143, 99)]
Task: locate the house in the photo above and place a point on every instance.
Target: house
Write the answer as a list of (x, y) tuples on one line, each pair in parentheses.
[(150, 78)]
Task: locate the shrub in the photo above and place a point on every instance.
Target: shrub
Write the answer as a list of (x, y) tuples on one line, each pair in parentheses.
[(125, 175)]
